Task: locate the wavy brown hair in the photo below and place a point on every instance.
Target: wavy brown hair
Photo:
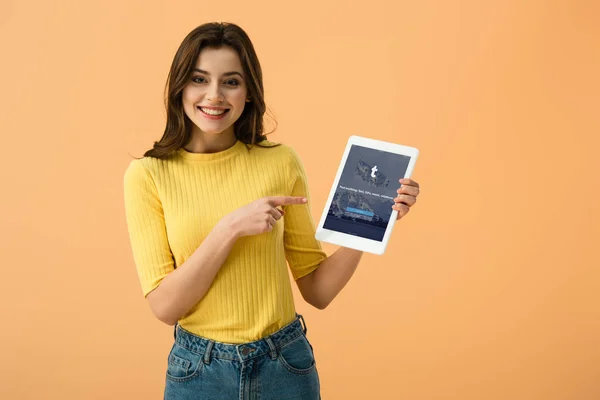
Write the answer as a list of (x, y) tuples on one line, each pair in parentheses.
[(249, 126)]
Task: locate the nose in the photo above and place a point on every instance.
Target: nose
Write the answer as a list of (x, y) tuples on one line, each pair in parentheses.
[(214, 94)]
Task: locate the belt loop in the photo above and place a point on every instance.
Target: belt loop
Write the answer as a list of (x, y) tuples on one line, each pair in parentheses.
[(303, 323), (207, 351), (273, 352), (175, 331)]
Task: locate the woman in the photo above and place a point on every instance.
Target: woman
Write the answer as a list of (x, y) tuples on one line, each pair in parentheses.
[(213, 210)]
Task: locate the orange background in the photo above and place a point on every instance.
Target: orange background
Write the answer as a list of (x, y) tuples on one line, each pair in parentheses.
[(489, 288)]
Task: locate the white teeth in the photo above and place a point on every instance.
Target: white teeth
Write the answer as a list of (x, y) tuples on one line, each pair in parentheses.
[(212, 112)]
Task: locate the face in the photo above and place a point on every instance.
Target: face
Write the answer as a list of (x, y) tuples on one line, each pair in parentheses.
[(216, 94)]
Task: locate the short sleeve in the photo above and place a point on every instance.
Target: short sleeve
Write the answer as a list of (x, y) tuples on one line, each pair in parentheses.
[(302, 250), (146, 226)]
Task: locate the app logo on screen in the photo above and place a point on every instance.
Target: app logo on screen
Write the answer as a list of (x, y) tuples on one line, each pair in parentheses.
[(371, 175), (362, 203)]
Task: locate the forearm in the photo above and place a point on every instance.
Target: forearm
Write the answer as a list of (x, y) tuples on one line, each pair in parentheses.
[(186, 285), (332, 275)]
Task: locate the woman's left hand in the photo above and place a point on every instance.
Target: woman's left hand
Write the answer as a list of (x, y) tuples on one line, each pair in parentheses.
[(407, 197)]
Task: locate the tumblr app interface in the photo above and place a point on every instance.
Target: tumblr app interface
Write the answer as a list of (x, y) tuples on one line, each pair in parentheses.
[(362, 203)]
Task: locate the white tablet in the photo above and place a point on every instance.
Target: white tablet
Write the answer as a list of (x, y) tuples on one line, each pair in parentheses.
[(358, 213)]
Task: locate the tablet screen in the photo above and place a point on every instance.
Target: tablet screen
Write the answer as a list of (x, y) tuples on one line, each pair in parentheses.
[(363, 200)]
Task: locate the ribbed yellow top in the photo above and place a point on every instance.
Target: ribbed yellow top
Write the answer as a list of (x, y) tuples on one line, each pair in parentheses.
[(171, 205)]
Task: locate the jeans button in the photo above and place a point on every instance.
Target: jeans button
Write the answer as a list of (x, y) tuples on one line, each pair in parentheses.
[(247, 350)]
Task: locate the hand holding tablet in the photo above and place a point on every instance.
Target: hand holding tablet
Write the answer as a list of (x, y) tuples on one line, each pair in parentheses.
[(358, 213)]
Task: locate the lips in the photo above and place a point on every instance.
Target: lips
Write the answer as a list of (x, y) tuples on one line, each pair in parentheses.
[(213, 111), (213, 114)]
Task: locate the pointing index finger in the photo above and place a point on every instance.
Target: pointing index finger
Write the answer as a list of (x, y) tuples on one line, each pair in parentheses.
[(286, 200)]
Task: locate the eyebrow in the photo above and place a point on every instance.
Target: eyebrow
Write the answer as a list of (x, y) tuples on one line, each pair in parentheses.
[(225, 74)]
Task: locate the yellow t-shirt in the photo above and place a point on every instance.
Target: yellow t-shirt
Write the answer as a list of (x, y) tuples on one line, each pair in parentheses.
[(171, 205)]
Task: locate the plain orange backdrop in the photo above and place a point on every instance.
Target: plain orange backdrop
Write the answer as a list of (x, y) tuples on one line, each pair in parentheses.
[(489, 288)]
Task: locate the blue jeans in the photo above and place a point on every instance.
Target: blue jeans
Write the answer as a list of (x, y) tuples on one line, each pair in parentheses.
[(280, 366)]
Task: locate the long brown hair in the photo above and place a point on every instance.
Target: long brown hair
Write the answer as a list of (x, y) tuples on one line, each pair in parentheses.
[(249, 126)]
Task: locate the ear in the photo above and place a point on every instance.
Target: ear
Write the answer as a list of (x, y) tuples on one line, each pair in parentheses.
[(248, 100)]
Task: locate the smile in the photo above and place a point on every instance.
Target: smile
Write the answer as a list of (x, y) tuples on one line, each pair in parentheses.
[(209, 111)]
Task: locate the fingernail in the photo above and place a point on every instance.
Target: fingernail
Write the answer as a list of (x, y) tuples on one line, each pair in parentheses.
[(304, 200)]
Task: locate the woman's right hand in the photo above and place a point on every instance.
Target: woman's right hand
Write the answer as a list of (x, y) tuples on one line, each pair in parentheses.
[(259, 216)]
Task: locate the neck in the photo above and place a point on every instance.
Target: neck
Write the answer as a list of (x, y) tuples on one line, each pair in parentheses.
[(202, 142)]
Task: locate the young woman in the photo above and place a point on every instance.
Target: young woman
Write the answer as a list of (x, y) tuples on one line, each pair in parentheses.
[(213, 211)]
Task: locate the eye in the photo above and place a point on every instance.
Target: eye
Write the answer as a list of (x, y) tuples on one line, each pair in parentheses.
[(232, 82), (195, 79)]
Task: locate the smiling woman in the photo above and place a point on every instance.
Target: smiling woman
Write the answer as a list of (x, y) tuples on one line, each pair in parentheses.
[(215, 68), (202, 213)]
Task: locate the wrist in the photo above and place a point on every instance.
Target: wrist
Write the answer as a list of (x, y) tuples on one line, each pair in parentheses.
[(227, 228)]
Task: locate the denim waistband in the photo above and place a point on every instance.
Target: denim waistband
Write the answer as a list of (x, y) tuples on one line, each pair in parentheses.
[(240, 352)]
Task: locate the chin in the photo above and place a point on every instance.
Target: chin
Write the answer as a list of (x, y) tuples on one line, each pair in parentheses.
[(213, 132)]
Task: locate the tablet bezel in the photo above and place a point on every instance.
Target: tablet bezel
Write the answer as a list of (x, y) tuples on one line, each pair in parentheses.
[(357, 242)]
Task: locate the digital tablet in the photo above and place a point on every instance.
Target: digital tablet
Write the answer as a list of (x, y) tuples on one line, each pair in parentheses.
[(358, 213)]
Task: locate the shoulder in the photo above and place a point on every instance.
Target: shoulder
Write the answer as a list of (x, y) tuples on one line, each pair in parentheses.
[(275, 151), (279, 156), (141, 170), (288, 159), (135, 169)]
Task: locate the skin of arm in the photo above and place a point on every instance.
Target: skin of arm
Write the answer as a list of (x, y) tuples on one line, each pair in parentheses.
[(322, 285)]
